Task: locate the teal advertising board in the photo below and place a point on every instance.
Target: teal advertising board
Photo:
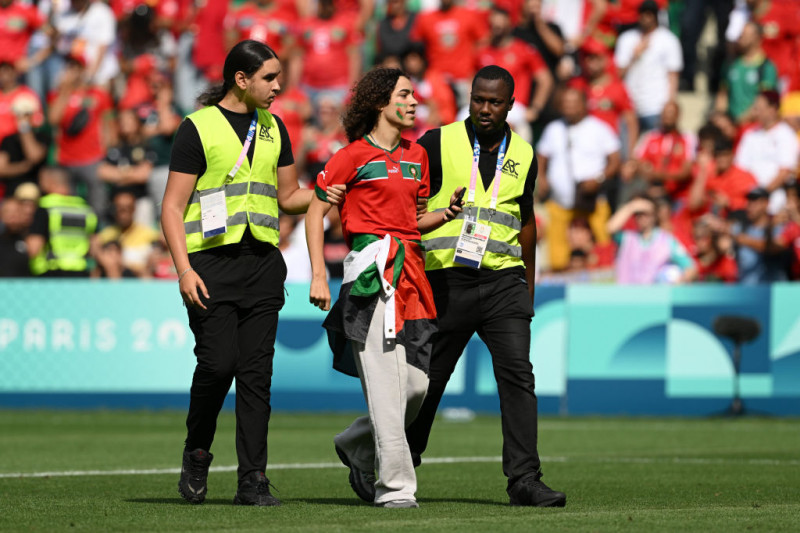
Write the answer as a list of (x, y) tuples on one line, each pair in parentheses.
[(595, 350)]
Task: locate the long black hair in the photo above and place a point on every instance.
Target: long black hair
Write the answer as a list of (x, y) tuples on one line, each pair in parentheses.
[(247, 56), (369, 96)]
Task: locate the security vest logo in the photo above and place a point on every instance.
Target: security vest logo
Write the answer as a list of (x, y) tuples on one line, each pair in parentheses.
[(510, 168), (263, 134)]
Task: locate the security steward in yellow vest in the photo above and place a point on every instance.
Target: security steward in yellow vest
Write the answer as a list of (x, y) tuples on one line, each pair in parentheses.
[(493, 296), (231, 170), (60, 239)]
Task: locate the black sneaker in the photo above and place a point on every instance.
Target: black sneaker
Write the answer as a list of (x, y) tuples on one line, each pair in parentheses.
[(363, 483), (254, 490), (194, 475), (533, 492)]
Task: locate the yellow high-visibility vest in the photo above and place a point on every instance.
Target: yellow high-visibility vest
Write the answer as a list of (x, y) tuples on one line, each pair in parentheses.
[(503, 249), (251, 196)]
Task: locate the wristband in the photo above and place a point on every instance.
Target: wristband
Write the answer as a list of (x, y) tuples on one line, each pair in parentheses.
[(24, 127), (180, 276)]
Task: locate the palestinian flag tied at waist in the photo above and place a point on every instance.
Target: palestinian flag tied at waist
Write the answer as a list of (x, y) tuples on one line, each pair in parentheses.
[(392, 269)]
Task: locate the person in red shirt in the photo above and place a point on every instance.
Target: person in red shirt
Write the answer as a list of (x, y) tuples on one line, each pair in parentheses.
[(606, 95), (780, 20), (331, 59), (16, 100), (321, 142), (385, 295), (729, 185), (451, 35), (523, 62), (436, 100), (18, 21), (789, 239), (82, 117), (266, 21), (293, 106), (713, 252), (664, 157)]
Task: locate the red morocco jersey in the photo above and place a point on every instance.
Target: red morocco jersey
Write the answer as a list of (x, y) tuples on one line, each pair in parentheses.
[(382, 188)]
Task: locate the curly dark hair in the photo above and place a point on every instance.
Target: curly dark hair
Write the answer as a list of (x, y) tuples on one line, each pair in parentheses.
[(367, 98)]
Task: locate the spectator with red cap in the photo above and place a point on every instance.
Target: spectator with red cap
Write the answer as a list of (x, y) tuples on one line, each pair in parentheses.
[(606, 96), (649, 60), (664, 157), (532, 80), (770, 150), (82, 116), (331, 59), (266, 21), (451, 35), (18, 21)]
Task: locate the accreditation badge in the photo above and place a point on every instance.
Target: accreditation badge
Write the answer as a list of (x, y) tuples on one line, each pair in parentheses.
[(472, 242), (213, 214)]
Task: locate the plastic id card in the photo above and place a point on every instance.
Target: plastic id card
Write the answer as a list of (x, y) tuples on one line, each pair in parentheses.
[(213, 214), (472, 242)]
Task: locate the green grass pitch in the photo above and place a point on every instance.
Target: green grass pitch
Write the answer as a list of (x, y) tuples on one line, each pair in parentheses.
[(636, 475)]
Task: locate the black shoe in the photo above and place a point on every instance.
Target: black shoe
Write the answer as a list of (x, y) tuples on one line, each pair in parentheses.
[(363, 483), (254, 490), (533, 492), (194, 475)]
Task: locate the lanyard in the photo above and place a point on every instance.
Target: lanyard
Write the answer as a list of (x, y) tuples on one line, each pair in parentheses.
[(498, 172), (251, 132)]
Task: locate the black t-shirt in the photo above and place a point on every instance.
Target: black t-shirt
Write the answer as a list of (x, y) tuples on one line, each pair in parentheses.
[(12, 145), (125, 154), (487, 163), (470, 277), (187, 149), (13, 256), (530, 35), (393, 42), (41, 223), (188, 157)]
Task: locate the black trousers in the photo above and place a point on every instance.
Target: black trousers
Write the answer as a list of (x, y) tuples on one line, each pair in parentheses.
[(692, 22), (498, 308), (235, 338)]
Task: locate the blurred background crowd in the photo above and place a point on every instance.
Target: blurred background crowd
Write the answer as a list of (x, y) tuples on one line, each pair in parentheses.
[(667, 132)]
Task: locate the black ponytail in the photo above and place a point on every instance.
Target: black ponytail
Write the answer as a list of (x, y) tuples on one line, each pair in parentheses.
[(246, 56)]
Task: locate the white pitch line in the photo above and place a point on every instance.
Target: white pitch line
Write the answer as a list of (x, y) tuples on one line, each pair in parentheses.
[(431, 460)]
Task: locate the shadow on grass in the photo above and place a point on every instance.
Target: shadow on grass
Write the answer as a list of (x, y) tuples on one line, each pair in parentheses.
[(179, 501), (423, 501)]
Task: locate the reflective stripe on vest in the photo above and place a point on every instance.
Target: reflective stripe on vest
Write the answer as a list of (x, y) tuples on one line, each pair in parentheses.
[(503, 249), (71, 222), (251, 197)]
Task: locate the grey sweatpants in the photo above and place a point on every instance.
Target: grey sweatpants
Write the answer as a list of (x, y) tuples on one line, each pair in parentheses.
[(394, 391)]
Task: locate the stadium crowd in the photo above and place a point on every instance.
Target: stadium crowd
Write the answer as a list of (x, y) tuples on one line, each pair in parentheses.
[(92, 92)]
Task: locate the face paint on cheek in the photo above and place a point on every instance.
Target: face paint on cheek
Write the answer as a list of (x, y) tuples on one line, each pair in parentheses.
[(397, 111)]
